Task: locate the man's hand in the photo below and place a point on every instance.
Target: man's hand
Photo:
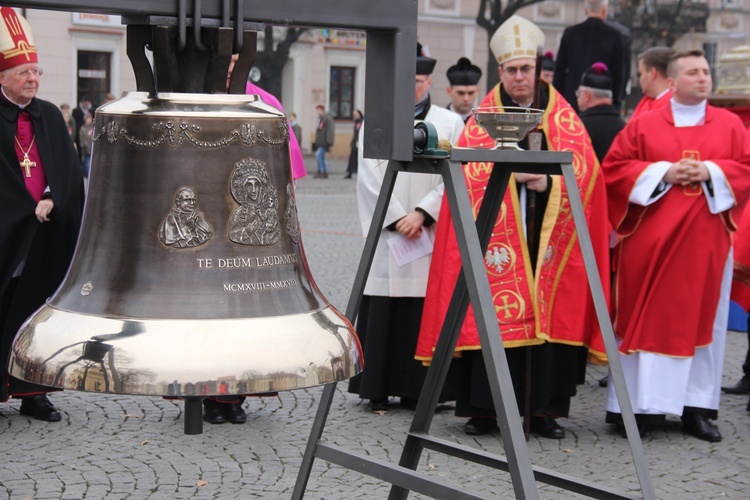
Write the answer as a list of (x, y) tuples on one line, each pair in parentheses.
[(411, 225), (687, 171), (535, 182), (43, 208)]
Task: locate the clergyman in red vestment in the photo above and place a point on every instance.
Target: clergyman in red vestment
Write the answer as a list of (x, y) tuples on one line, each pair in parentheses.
[(652, 77), (675, 177), (741, 293), (544, 308)]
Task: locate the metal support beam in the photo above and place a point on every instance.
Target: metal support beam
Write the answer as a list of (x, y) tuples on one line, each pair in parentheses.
[(391, 27), (193, 415)]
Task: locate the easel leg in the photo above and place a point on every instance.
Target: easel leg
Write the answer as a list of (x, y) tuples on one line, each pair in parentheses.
[(608, 334), (352, 309), (473, 238), (324, 406)]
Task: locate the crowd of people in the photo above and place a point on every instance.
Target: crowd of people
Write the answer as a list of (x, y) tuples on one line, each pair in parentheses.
[(663, 197)]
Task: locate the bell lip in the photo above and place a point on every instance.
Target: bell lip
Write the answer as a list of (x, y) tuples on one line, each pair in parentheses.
[(240, 105), (185, 358)]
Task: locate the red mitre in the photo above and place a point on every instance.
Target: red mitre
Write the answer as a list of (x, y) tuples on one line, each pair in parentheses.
[(16, 40)]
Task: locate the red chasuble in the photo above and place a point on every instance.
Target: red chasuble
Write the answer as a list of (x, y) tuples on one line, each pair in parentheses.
[(673, 252), (741, 278), (648, 104), (555, 305)]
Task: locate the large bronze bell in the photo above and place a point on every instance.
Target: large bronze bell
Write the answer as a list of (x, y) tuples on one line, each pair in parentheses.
[(189, 278)]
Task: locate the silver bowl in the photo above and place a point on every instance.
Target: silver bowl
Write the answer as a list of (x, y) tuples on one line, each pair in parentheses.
[(508, 125)]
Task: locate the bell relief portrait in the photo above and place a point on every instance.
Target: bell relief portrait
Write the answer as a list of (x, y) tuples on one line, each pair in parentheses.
[(184, 227), (256, 220)]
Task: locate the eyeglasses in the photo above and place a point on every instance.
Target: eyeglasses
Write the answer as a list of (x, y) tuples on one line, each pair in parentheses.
[(26, 73), (525, 70)]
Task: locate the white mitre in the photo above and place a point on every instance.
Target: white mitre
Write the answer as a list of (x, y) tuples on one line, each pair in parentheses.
[(516, 38)]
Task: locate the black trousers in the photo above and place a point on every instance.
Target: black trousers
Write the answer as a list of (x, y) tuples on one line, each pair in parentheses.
[(554, 371)]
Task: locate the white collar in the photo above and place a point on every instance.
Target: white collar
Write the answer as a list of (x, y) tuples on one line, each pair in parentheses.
[(14, 102), (688, 115)]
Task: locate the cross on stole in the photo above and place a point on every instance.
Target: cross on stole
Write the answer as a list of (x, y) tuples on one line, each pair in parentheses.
[(506, 307)]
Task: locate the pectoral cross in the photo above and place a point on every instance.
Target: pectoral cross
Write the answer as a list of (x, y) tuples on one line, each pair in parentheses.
[(26, 164)]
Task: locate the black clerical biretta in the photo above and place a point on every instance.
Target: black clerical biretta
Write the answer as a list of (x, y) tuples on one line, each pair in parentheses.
[(425, 64), (548, 61), (464, 73)]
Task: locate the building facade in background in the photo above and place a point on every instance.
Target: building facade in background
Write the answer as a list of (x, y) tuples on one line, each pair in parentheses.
[(86, 54), (81, 54)]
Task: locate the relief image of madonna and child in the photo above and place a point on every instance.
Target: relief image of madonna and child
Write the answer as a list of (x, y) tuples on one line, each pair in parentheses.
[(255, 221)]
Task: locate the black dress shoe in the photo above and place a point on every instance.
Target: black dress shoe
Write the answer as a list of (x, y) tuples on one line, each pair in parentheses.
[(213, 412), (546, 426), (40, 408), (699, 426), (479, 426), (234, 413), (379, 404), (741, 387), (604, 381)]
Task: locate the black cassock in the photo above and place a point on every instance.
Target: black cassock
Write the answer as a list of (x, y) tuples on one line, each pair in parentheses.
[(46, 247)]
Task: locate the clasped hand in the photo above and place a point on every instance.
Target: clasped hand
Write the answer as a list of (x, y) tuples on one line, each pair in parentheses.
[(687, 171)]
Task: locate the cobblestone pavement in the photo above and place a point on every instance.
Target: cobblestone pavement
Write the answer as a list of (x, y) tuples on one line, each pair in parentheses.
[(134, 447)]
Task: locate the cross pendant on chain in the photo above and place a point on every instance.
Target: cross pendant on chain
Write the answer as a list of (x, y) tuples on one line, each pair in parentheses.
[(26, 164)]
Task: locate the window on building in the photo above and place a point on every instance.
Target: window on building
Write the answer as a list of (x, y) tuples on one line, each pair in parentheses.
[(341, 96), (94, 75)]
